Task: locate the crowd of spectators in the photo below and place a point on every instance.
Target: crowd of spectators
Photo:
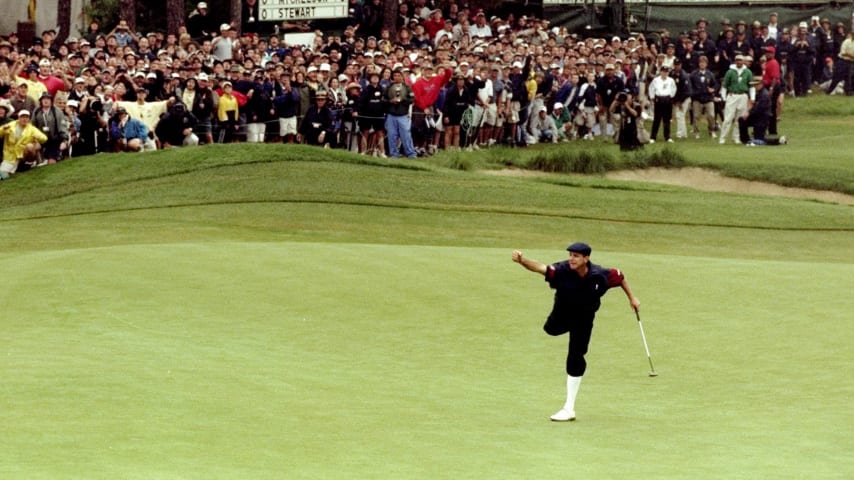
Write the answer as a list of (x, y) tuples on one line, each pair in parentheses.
[(451, 78)]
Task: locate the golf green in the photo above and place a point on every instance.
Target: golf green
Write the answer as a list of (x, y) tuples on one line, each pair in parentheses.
[(298, 360)]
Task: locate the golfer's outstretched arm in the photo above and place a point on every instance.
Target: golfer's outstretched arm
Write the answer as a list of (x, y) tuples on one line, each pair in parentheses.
[(633, 300), (528, 263)]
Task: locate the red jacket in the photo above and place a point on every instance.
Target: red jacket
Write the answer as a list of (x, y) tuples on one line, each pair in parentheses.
[(427, 91)]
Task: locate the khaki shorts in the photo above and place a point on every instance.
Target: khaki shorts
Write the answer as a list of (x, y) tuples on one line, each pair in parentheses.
[(288, 126), (490, 115), (514, 112)]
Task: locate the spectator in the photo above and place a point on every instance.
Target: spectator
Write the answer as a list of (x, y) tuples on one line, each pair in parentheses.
[(203, 106), (759, 117), (737, 93), (286, 100), (130, 134), (175, 128), (704, 85), (662, 91), (316, 129), (228, 112), (21, 100), (93, 134), (21, 144), (200, 24), (398, 98), (682, 99), (51, 120), (224, 44), (542, 126), (457, 101), (372, 116)]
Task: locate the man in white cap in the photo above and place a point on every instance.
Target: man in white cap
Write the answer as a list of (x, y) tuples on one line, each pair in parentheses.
[(200, 24), (224, 44), (738, 95), (21, 142), (542, 126)]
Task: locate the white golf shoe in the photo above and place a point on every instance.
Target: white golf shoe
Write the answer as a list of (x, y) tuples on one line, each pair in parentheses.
[(563, 415)]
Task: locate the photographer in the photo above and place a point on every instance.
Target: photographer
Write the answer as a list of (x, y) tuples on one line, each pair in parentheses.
[(175, 128), (629, 110), (92, 136)]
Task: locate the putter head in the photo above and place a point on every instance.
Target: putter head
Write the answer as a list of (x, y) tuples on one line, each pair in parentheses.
[(653, 374)]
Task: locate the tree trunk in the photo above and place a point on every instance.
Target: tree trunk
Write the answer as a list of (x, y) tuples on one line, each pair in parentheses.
[(174, 15), (63, 20), (235, 15), (127, 12), (390, 17)]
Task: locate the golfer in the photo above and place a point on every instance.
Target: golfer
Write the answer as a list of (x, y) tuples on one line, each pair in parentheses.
[(578, 285)]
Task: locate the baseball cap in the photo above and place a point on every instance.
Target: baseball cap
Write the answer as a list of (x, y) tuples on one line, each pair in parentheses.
[(558, 105), (79, 80), (202, 77), (202, 5), (24, 112), (580, 247), (224, 27), (44, 62), (544, 109)]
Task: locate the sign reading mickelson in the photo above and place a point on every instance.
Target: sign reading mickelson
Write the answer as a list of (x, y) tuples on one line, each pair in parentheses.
[(278, 10)]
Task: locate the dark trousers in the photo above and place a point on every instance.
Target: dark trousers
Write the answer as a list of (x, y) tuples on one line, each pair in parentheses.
[(775, 97), (803, 78), (759, 124), (579, 330), (661, 112)]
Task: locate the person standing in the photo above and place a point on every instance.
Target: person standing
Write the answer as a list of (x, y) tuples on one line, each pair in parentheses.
[(772, 82), (579, 285), (682, 100), (738, 94), (398, 97), (662, 90), (704, 84)]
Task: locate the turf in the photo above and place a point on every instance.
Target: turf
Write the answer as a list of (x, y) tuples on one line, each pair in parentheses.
[(318, 360)]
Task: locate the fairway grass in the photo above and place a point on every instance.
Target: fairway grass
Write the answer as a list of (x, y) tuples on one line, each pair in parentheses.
[(305, 360)]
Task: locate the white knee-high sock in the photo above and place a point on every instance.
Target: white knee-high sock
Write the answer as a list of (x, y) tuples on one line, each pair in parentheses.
[(572, 385)]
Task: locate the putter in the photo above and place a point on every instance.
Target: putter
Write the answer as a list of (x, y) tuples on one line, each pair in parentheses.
[(652, 372)]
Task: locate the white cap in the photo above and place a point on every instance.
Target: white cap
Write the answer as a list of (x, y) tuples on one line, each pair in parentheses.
[(73, 103), (544, 109), (557, 106), (224, 27), (44, 62), (24, 112), (151, 75), (518, 64), (202, 5), (79, 80), (202, 76), (311, 69), (324, 67), (8, 106)]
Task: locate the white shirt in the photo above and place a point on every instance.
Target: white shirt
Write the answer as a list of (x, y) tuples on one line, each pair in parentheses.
[(662, 87)]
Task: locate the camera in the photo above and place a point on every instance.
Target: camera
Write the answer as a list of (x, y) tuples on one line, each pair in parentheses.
[(622, 97)]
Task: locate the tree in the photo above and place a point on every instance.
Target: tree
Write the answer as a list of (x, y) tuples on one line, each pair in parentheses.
[(174, 15), (390, 16), (127, 11), (63, 20)]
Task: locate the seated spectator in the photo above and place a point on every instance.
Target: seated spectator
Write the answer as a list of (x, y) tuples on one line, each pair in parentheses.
[(130, 134), (175, 128), (21, 144), (542, 127)]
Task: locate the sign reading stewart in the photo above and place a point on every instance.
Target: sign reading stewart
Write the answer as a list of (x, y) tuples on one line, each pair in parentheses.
[(278, 10)]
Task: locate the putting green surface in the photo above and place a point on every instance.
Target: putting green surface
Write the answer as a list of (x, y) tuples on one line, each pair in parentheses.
[(307, 360)]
